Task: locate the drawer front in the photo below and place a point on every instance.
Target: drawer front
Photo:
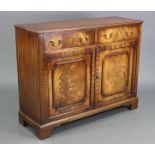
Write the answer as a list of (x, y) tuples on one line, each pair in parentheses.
[(69, 39), (115, 34)]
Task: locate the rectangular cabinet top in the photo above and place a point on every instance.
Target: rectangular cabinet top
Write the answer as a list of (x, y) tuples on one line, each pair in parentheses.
[(52, 26)]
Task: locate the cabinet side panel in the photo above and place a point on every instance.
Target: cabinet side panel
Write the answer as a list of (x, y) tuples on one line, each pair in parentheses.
[(136, 62), (28, 73)]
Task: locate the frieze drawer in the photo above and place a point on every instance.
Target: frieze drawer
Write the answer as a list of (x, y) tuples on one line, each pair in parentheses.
[(68, 39), (115, 34)]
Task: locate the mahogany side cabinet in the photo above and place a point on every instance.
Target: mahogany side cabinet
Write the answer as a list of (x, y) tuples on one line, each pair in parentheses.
[(68, 70)]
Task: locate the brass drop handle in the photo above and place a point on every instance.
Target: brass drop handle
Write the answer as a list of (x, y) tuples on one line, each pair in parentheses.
[(60, 42), (80, 40), (52, 42), (106, 36)]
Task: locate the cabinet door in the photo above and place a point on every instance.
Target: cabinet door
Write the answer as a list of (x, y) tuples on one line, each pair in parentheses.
[(113, 75), (69, 82)]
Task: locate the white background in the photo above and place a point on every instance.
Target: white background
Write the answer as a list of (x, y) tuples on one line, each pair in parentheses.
[(79, 5)]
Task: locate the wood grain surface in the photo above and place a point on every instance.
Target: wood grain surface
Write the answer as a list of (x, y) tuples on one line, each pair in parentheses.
[(69, 70)]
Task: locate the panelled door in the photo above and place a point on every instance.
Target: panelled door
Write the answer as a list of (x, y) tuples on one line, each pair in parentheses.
[(70, 78), (113, 75)]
